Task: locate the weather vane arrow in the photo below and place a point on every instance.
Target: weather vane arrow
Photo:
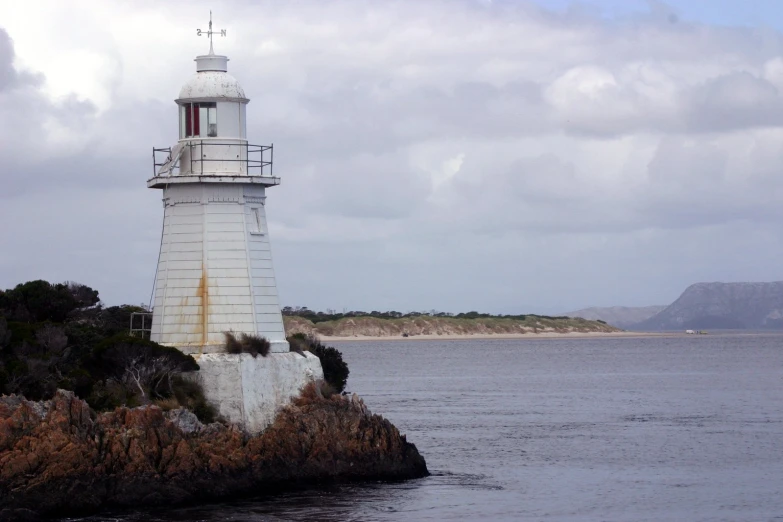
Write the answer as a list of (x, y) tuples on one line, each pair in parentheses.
[(210, 32)]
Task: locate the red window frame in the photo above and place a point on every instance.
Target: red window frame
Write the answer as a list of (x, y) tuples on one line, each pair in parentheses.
[(192, 120)]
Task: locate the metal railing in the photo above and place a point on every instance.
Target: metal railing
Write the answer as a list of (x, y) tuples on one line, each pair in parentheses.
[(141, 324), (257, 159)]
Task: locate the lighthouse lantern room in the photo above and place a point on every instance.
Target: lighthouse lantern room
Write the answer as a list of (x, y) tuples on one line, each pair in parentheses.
[(215, 269)]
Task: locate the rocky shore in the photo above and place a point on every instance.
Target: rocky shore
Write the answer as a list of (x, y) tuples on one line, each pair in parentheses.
[(59, 457)]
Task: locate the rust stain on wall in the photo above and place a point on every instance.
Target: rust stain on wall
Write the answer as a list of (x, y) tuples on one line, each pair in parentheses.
[(203, 292)]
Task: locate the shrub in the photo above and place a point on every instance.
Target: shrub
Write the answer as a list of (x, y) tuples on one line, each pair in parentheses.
[(297, 343), (190, 395), (247, 343), (167, 404), (146, 369), (115, 319), (83, 295), (79, 380), (21, 332), (232, 343), (327, 390), (314, 392), (308, 395), (5, 333), (142, 372), (58, 336), (335, 369), (39, 301), (108, 395), (256, 345)]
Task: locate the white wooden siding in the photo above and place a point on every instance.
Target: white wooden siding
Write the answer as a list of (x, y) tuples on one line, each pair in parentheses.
[(210, 249)]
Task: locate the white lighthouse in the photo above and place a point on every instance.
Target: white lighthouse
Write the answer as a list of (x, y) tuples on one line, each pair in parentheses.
[(215, 269)]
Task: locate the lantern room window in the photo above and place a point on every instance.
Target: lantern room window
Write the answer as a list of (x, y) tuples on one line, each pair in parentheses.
[(198, 119)]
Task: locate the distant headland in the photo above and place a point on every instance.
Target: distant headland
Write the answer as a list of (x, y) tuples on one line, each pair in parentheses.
[(712, 306), (412, 325)]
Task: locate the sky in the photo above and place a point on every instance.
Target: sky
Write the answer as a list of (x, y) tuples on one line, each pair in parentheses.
[(452, 155)]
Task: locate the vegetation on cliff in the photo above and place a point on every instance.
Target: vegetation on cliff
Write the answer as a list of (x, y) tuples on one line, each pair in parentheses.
[(335, 369), (421, 324), (57, 458), (255, 345), (59, 336)]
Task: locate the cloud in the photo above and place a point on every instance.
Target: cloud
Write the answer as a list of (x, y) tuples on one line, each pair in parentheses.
[(733, 101), (8, 74), (436, 154)]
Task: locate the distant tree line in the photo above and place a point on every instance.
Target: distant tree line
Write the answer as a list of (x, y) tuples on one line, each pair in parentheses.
[(331, 315)]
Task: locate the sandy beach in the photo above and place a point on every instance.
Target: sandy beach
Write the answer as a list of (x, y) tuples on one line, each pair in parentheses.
[(529, 336)]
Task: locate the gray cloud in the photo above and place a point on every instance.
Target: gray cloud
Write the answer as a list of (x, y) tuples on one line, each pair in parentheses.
[(446, 155), (733, 101)]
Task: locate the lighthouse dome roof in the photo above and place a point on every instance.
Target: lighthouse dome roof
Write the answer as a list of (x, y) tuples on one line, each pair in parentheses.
[(212, 81)]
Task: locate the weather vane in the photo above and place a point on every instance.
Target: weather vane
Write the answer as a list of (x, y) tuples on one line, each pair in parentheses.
[(210, 32)]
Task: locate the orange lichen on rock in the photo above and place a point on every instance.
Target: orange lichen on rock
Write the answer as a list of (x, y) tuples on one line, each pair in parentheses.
[(58, 456)]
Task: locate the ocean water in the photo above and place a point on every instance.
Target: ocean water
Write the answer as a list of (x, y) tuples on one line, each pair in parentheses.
[(627, 429)]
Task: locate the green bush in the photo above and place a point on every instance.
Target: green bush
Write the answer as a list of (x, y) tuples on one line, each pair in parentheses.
[(190, 395), (38, 301), (133, 371), (58, 336), (5, 333), (21, 332), (144, 367), (297, 343), (116, 319), (108, 395), (335, 369)]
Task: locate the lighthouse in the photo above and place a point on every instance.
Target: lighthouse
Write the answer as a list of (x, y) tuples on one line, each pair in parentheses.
[(215, 272), (215, 269)]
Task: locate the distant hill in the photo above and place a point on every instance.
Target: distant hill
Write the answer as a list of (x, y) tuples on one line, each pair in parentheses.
[(619, 316), (449, 326), (722, 306)]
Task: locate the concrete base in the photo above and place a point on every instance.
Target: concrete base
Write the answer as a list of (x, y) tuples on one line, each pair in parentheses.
[(249, 391)]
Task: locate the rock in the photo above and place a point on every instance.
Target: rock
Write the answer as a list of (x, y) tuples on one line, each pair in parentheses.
[(10, 402), (185, 420), (57, 458)]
